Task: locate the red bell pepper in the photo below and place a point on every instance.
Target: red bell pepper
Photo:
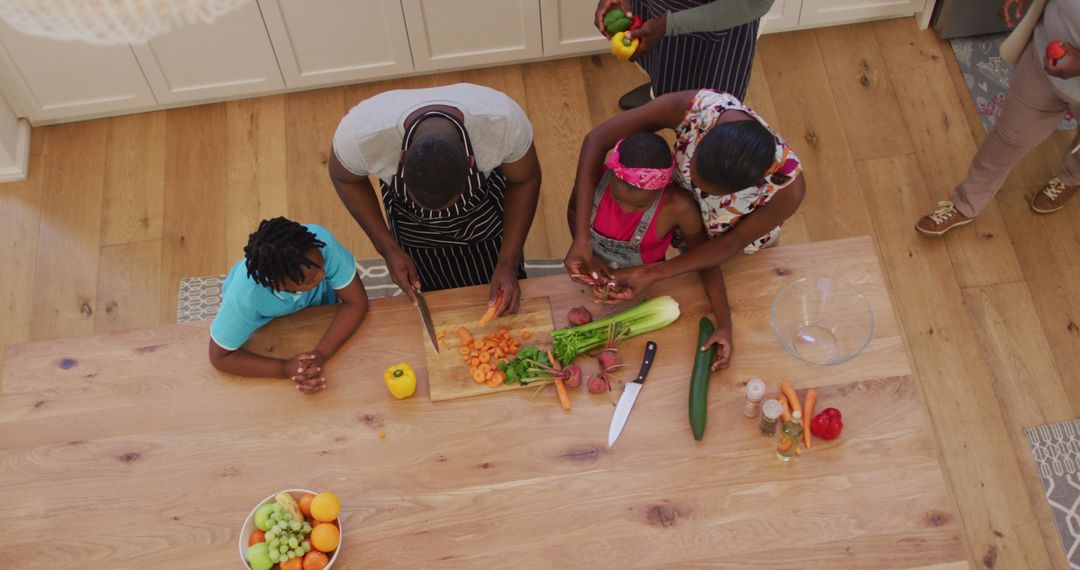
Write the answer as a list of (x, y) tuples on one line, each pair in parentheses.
[(1055, 51), (828, 424), (636, 22)]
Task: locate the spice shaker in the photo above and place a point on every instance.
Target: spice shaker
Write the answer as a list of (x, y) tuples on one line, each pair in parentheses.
[(755, 391), (770, 413)]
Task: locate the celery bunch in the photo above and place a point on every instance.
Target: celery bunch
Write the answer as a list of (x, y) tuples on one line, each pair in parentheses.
[(651, 315)]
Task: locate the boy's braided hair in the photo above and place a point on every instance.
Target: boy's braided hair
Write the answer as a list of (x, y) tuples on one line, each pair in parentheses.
[(277, 252)]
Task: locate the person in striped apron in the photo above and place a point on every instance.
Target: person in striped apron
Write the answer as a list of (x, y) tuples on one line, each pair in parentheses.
[(691, 44), (459, 180)]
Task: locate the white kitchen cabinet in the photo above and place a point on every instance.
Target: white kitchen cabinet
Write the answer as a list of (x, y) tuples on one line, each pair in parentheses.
[(783, 16), (198, 62), (568, 28), (834, 12), (46, 80), (461, 33), (321, 42)]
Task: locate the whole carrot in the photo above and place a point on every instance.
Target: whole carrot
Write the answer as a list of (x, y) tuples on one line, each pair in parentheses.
[(811, 399), (785, 409), (560, 386), (792, 397)]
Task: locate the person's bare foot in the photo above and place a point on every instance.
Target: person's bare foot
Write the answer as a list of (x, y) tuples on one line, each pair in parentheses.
[(941, 220), (1053, 197)]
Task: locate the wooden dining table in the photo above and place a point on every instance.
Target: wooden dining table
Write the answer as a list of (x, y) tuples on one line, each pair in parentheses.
[(129, 450)]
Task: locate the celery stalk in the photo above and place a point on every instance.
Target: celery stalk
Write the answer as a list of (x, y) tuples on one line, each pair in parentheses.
[(648, 316)]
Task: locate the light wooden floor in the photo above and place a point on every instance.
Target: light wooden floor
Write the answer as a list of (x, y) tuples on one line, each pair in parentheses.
[(116, 211)]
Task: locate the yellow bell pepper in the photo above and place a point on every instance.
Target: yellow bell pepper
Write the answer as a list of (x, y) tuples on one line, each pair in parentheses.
[(623, 47), (401, 380)]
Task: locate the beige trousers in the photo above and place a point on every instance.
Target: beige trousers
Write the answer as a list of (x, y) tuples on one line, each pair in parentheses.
[(1033, 109)]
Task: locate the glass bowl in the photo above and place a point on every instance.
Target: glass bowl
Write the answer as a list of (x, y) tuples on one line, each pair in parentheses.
[(822, 320)]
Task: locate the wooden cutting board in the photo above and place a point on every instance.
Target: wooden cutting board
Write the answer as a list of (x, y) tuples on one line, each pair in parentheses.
[(448, 375)]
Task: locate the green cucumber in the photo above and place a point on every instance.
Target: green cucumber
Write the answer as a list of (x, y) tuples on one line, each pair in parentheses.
[(699, 380)]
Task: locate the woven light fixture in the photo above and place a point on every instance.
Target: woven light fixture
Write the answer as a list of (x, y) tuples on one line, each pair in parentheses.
[(106, 22)]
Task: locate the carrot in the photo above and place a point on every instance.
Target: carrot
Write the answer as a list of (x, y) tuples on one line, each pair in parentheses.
[(476, 376), (526, 335), (792, 397), (485, 357), (785, 409), (491, 310), (564, 396), (463, 351), (441, 335), (475, 362), (811, 399), (465, 336)]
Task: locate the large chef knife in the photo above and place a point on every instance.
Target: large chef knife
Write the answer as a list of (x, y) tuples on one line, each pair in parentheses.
[(629, 396), (425, 315)]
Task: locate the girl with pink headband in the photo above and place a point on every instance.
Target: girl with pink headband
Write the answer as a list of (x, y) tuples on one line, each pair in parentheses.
[(636, 211)]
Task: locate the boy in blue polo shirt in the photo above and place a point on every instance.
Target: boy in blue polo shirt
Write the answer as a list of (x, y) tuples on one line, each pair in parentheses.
[(286, 267)]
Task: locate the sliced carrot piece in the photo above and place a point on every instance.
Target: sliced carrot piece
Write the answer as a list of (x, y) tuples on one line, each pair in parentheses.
[(485, 357), (526, 335), (475, 362), (484, 369), (441, 335), (463, 351), (465, 336)]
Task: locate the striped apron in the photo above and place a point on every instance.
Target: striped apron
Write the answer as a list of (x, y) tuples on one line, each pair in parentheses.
[(719, 60), (457, 246)]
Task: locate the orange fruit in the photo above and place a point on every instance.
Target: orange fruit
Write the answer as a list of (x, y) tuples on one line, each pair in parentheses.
[(305, 504), (325, 507), (325, 537), (315, 560), (293, 564)]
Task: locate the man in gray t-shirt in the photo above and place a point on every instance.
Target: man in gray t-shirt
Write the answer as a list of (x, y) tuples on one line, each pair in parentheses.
[(459, 180)]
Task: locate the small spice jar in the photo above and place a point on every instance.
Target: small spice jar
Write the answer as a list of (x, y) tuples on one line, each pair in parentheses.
[(770, 413), (755, 391)]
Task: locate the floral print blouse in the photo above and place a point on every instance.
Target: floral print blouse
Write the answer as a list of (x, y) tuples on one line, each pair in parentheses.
[(721, 213)]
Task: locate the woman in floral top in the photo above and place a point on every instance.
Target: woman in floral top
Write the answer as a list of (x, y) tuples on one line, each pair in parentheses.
[(745, 178)]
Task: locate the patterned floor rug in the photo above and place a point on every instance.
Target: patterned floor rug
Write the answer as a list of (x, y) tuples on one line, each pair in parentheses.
[(1056, 449), (200, 297), (987, 76)]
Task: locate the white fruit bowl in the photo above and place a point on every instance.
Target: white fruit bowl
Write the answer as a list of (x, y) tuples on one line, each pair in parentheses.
[(249, 526)]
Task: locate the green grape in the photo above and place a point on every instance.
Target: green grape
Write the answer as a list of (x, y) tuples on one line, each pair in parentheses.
[(277, 508), (274, 555), (306, 527), (286, 517), (306, 547), (273, 543), (283, 548), (293, 543), (295, 525)]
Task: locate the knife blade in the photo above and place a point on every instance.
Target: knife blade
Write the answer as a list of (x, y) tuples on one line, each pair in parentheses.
[(425, 316), (629, 396)]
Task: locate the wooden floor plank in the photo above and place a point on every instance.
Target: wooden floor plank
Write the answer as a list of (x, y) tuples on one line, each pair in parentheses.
[(559, 111), (606, 80), (810, 121), (870, 114), (65, 281), (1026, 381), (1048, 247), (311, 117), (129, 281), (193, 236), (134, 178), (953, 374), (20, 226), (255, 158), (939, 130), (759, 98)]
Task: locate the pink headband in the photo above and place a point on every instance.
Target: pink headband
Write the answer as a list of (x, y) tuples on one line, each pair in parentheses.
[(644, 178)]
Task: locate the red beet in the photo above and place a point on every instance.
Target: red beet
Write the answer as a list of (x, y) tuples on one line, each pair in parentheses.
[(579, 316), (1055, 51), (609, 358), (597, 383), (573, 376)]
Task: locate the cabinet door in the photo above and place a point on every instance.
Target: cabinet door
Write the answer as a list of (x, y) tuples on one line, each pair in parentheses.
[(196, 62), (49, 80), (320, 42), (783, 16), (568, 28), (461, 33), (830, 12)]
